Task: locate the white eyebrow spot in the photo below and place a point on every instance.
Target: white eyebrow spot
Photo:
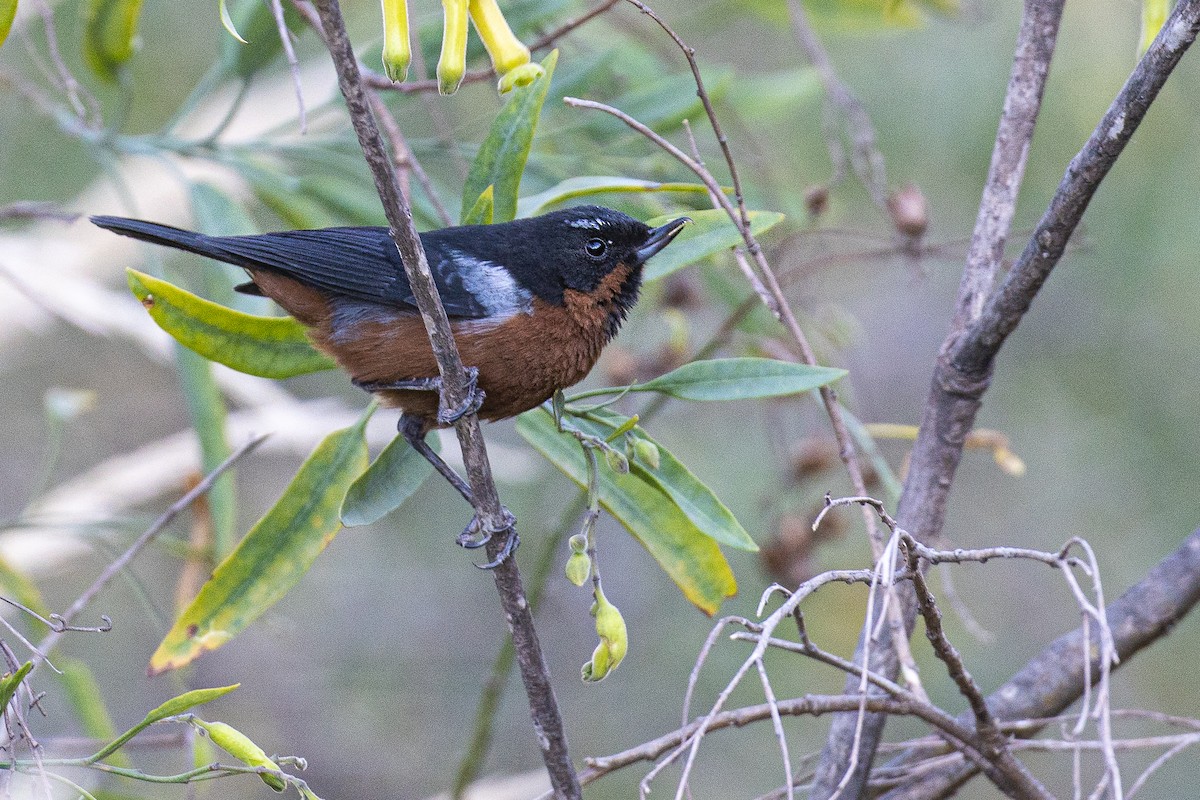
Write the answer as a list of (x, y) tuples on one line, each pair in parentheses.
[(588, 224)]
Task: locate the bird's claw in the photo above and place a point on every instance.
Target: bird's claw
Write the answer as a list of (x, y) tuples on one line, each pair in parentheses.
[(477, 535), (472, 403)]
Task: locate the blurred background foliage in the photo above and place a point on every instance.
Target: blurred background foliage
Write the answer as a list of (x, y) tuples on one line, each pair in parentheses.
[(372, 668)]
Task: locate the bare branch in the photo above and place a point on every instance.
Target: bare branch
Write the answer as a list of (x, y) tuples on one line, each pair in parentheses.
[(963, 370), (1055, 678), (122, 561), (492, 516)]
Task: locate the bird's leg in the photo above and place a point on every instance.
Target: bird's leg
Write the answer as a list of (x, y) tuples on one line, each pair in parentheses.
[(445, 416), (413, 429)]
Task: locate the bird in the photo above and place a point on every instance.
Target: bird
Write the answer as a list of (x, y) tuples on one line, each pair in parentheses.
[(531, 303)]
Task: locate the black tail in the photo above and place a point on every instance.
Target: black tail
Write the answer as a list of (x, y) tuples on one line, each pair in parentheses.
[(152, 232)]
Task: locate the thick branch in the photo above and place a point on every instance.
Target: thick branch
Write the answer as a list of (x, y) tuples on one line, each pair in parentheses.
[(534, 672), (963, 370)]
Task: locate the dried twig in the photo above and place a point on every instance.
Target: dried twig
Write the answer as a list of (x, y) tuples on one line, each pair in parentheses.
[(132, 551), (866, 159)]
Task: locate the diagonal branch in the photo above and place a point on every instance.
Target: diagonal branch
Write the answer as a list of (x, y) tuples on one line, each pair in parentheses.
[(534, 671), (963, 370), (1054, 679)]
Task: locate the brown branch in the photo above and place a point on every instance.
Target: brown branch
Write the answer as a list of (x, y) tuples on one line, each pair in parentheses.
[(808, 705), (492, 516), (1055, 678), (954, 400), (993, 742)]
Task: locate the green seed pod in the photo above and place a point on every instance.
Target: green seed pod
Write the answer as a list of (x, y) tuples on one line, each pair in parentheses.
[(617, 461), (579, 568), (647, 452), (578, 543), (240, 746), (396, 50), (614, 640)]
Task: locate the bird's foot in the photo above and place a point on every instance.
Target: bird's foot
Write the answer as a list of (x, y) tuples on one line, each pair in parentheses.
[(477, 535), (472, 403)]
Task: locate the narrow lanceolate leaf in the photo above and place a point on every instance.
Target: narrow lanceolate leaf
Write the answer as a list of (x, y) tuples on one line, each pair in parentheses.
[(10, 682), (740, 379), (389, 481), (270, 347), (677, 482), (173, 707), (273, 556), (110, 35), (1154, 14), (584, 186), (691, 559), (484, 210), (227, 22), (710, 232), (501, 158), (8, 12)]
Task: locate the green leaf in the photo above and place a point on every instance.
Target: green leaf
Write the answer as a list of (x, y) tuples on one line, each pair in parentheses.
[(390, 480), (8, 12), (1154, 15), (575, 188), (691, 559), (665, 102), (273, 556), (227, 22), (484, 209), (270, 347), (173, 707), (711, 232), (181, 703), (110, 36), (674, 480), (501, 158), (740, 379), (10, 682)]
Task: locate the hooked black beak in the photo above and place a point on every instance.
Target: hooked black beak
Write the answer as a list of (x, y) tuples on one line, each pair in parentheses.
[(660, 237)]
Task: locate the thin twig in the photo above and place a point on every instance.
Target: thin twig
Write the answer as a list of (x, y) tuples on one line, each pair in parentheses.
[(285, 37), (122, 561), (867, 159), (405, 161)]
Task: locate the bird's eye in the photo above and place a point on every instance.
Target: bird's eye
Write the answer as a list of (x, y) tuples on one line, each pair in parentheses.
[(596, 248)]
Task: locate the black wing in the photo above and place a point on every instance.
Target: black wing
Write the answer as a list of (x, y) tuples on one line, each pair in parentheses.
[(359, 263)]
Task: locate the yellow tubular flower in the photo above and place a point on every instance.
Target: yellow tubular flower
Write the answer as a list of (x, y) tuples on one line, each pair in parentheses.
[(396, 51), (453, 62), (504, 48)]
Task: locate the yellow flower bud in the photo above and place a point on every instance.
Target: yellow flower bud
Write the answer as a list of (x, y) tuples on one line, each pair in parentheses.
[(396, 50), (504, 48), (452, 64)]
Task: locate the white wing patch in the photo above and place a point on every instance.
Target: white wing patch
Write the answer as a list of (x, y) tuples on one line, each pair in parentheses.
[(493, 287)]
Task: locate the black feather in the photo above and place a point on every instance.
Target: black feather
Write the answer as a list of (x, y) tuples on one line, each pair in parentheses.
[(357, 263)]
